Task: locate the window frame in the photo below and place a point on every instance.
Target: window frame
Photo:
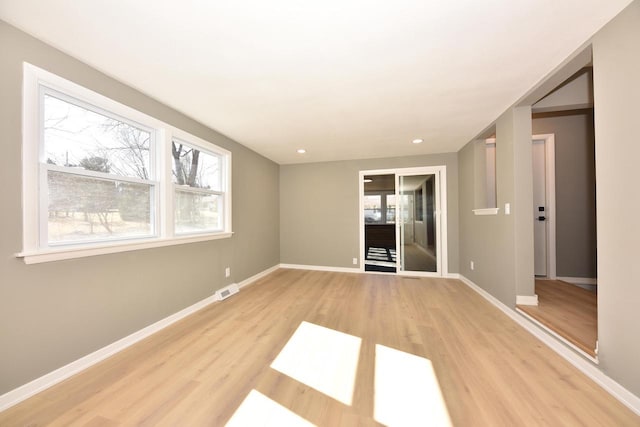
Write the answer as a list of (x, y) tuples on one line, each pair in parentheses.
[(36, 83), (197, 190), (153, 182), (384, 194)]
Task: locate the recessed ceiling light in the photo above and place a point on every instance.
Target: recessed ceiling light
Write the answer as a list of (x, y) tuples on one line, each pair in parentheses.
[(418, 141), (368, 180), (301, 151)]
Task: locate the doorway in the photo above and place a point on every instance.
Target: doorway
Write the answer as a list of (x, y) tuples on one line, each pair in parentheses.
[(568, 311), (379, 215), (402, 221), (563, 165)]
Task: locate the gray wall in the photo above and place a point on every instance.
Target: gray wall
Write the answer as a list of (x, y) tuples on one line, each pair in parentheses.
[(616, 71), (575, 190), (319, 218), (57, 312), (502, 260), (500, 246)]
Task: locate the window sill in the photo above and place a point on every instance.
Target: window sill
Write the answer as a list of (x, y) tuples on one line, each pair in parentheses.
[(58, 254), (486, 211)]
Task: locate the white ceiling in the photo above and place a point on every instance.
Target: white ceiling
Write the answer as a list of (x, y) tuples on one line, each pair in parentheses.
[(342, 79)]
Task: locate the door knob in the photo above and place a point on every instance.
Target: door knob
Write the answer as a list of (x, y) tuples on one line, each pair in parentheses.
[(541, 218)]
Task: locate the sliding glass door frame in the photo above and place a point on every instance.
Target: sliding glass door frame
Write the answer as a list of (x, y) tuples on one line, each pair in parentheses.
[(440, 214)]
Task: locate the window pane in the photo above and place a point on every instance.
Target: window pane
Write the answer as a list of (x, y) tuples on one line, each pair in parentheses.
[(195, 168), (391, 208), (196, 212), (88, 209), (419, 205), (80, 138), (372, 209)]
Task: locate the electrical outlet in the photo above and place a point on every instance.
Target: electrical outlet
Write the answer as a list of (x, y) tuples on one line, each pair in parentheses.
[(355, 261), (227, 272), (471, 265)]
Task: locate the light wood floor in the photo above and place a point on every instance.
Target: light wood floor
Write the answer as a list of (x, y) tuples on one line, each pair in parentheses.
[(198, 371), (568, 310)]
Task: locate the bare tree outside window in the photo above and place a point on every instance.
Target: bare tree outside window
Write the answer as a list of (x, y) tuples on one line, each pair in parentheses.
[(195, 211), (185, 162), (79, 139)]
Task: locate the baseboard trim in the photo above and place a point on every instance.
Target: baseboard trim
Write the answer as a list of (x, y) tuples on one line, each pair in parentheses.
[(558, 337), (322, 268), (358, 270), (251, 280), (627, 398), (527, 299), (46, 381), (579, 280)]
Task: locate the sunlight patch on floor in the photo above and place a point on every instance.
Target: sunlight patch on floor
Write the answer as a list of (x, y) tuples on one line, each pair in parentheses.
[(407, 391), (258, 410), (321, 358)]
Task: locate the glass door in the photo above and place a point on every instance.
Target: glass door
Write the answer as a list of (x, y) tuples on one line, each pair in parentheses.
[(379, 221), (418, 223)]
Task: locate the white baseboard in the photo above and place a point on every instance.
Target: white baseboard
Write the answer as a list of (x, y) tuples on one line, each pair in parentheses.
[(579, 280), (256, 277), (321, 268), (557, 336), (358, 270), (526, 299), (627, 398), (25, 391)]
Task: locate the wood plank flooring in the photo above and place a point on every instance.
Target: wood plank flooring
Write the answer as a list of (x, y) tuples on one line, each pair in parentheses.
[(568, 310), (197, 372)]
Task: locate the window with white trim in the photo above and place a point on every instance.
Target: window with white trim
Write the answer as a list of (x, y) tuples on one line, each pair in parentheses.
[(198, 197), (100, 177)]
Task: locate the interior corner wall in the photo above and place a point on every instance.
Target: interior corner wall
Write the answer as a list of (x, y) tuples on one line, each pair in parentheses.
[(616, 71), (522, 205), (575, 190), (319, 203), (500, 246), (54, 313), (489, 240)]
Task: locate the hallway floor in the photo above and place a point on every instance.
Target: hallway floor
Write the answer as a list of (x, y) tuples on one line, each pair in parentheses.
[(417, 259), (568, 310)]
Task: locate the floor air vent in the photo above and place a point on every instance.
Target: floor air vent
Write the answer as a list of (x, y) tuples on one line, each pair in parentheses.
[(227, 291)]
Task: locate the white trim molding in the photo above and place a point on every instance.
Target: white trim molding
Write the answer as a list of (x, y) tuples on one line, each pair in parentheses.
[(251, 280), (36, 247), (323, 268), (527, 299), (550, 195), (486, 211), (46, 381), (579, 280), (441, 216), (557, 336), (627, 398), (357, 270), (37, 257)]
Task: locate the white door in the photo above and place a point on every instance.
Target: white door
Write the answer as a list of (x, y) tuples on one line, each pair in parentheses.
[(539, 209)]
